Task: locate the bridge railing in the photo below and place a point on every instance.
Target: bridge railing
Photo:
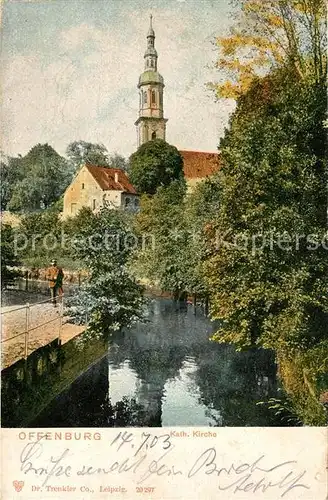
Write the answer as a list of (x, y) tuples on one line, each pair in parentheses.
[(30, 319)]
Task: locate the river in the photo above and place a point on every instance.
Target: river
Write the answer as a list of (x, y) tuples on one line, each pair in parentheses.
[(166, 372)]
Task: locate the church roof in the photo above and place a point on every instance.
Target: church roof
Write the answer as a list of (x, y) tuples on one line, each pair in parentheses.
[(199, 164), (105, 178)]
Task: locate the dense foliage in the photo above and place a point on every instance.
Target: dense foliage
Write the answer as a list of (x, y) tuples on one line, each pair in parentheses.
[(111, 298), (162, 258), (156, 163), (34, 181), (80, 152), (170, 226), (268, 275), (39, 238), (10, 174), (9, 260), (268, 34)]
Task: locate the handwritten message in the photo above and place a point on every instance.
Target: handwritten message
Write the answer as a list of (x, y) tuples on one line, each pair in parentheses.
[(125, 463)]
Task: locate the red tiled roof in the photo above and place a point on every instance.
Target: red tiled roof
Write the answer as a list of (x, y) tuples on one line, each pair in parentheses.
[(105, 177), (199, 164)]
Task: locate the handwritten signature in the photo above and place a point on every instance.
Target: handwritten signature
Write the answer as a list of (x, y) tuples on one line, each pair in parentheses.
[(244, 473), (145, 462)]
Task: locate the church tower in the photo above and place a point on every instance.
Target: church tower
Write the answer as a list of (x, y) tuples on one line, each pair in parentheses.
[(151, 123)]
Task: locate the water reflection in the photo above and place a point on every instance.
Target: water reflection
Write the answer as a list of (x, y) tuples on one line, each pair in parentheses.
[(166, 373)]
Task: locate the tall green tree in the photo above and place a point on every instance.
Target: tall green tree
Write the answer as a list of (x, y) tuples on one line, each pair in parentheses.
[(44, 175), (156, 163), (267, 263), (160, 225), (118, 161), (80, 152)]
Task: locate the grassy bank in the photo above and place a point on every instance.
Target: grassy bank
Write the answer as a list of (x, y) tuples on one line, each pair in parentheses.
[(304, 378)]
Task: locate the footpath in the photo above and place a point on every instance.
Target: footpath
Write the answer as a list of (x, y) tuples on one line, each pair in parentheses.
[(44, 323)]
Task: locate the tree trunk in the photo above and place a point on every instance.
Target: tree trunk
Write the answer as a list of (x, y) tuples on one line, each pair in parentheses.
[(194, 302), (206, 306)]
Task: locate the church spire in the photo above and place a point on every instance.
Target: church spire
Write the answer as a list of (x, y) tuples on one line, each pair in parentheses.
[(151, 32), (151, 53), (151, 123)]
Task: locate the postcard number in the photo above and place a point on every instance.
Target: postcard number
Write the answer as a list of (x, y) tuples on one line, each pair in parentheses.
[(140, 489)]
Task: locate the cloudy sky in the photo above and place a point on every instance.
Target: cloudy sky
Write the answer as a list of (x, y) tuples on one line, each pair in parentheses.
[(70, 70)]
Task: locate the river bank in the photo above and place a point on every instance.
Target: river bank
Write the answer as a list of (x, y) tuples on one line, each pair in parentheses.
[(302, 375), (162, 372)]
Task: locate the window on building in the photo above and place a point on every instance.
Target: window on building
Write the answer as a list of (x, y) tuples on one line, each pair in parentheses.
[(82, 185), (127, 201), (161, 99), (94, 204), (145, 97), (153, 135), (73, 208), (136, 202), (151, 63), (153, 97)]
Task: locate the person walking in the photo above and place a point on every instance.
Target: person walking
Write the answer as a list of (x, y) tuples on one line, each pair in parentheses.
[(59, 282), (55, 277)]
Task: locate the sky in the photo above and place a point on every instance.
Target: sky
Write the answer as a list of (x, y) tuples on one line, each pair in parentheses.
[(70, 70)]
